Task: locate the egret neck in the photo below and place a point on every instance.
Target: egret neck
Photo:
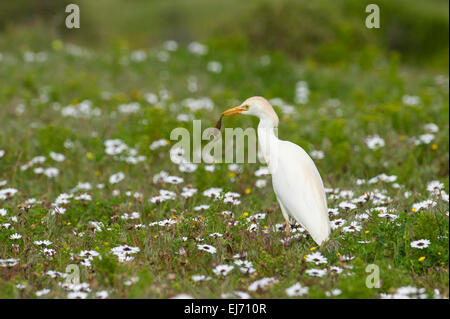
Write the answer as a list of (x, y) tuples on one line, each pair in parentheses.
[(268, 140)]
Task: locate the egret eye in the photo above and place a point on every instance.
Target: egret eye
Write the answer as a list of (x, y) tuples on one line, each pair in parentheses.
[(246, 107)]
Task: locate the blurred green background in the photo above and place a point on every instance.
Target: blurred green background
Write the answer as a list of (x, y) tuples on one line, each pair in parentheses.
[(330, 31)]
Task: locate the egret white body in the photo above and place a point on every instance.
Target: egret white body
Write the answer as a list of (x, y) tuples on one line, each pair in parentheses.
[(295, 179)]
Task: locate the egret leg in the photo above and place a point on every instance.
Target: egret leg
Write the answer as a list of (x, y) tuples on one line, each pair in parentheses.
[(288, 229), (286, 218)]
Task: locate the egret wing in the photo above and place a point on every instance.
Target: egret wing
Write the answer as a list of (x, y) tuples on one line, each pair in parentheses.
[(298, 185)]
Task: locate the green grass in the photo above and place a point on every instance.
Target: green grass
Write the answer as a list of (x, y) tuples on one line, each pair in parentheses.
[(369, 89)]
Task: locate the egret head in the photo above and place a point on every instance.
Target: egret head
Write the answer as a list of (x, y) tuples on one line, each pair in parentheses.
[(256, 106)]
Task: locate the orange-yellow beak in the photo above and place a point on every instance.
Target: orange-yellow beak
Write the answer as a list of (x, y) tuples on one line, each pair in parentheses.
[(234, 110)]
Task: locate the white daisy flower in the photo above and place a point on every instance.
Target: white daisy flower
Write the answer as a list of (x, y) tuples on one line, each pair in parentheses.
[(3, 212), (128, 108), (435, 187), (201, 207), (316, 272), (131, 281), (102, 294), (77, 295), (296, 290), (347, 257), (335, 269), (410, 100), (57, 157), (431, 128), (10, 262), (170, 45), (200, 278), (124, 252), (197, 48), (187, 167), (301, 92), (354, 227), (333, 292), (210, 249), (246, 267), (317, 154), (116, 178), (427, 204), (407, 292), (163, 196), (222, 270), (214, 66), (374, 142), (15, 236), (49, 252), (7, 193), (264, 170), (188, 192), (236, 295), (262, 283), (347, 205), (42, 242), (212, 192), (390, 217), (158, 143), (316, 258), (42, 292), (260, 183), (420, 244), (336, 223)]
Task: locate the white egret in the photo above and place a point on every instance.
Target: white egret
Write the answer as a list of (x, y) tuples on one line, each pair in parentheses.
[(296, 181)]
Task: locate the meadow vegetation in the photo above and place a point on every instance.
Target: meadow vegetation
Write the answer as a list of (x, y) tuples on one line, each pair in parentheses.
[(86, 175)]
